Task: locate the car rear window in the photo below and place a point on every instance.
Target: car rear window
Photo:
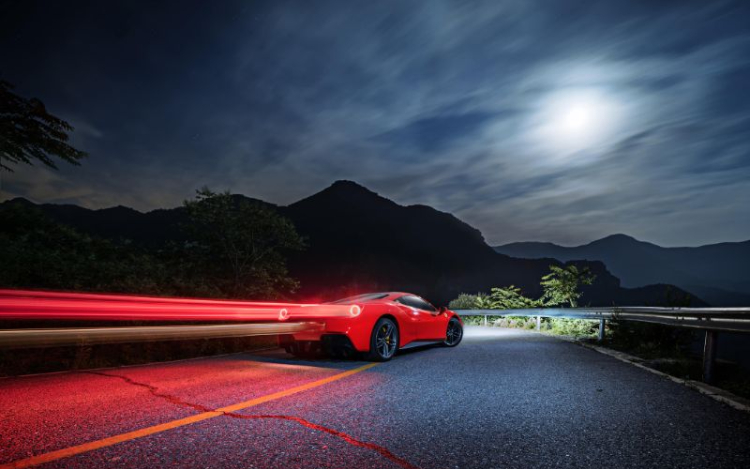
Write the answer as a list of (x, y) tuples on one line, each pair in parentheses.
[(365, 297)]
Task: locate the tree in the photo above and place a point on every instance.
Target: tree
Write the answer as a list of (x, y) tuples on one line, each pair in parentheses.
[(562, 283), (238, 246), (37, 252), (482, 301), (500, 298), (464, 301), (510, 298), (28, 132)]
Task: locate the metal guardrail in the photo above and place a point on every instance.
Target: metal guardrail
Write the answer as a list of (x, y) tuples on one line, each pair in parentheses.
[(712, 320), (715, 319)]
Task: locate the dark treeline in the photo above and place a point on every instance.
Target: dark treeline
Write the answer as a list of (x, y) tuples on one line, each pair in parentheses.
[(228, 248)]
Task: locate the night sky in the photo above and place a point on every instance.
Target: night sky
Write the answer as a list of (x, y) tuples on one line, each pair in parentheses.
[(560, 121)]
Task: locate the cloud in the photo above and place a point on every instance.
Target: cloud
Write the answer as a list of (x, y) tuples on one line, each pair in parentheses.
[(427, 102), (433, 133)]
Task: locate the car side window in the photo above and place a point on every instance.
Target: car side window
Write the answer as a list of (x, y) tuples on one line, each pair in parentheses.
[(425, 305), (416, 302), (404, 300)]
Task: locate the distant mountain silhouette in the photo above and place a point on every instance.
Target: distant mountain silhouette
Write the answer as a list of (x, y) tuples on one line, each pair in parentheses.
[(359, 241), (717, 273), (152, 228)]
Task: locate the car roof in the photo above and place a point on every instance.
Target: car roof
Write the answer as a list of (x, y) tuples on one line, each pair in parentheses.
[(389, 296)]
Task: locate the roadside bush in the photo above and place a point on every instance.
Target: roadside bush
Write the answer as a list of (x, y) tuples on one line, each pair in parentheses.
[(572, 327), (519, 322), (464, 301), (473, 320)]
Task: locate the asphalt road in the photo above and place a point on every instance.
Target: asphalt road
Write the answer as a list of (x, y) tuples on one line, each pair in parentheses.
[(503, 398)]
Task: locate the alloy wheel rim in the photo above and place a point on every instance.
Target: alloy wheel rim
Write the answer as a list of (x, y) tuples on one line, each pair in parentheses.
[(454, 334), (386, 340)]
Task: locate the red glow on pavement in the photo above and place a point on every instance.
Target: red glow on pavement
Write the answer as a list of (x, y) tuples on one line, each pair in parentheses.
[(385, 452), (24, 304), (344, 436)]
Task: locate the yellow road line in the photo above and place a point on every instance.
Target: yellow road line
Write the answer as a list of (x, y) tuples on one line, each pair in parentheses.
[(113, 440)]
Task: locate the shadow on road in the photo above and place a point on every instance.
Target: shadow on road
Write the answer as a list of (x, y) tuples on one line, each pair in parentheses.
[(279, 356)]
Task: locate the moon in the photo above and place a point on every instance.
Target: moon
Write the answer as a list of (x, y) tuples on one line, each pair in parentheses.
[(572, 121), (577, 119)]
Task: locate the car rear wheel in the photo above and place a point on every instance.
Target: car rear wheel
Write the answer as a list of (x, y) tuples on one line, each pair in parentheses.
[(454, 333), (383, 340)]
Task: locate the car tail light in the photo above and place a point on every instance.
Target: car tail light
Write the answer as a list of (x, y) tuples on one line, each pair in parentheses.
[(355, 310)]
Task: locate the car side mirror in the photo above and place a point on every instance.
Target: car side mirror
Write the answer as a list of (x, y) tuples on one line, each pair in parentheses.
[(442, 309)]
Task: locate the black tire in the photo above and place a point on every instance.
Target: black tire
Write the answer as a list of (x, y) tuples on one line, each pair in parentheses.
[(383, 340), (453, 333)]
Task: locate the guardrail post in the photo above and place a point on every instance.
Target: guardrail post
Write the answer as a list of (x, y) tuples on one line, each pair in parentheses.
[(709, 357), (485, 320), (538, 323), (601, 330)]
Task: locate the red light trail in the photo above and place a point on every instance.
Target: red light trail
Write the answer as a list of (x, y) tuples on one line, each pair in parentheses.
[(33, 305), (19, 338)]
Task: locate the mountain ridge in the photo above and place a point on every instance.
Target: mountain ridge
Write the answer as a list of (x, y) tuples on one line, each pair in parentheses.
[(359, 241), (715, 272)]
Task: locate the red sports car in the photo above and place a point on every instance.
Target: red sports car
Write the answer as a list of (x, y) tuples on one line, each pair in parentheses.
[(378, 325)]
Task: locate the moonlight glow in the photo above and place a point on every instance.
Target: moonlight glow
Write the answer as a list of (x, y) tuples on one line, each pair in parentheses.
[(573, 121), (578, 119)]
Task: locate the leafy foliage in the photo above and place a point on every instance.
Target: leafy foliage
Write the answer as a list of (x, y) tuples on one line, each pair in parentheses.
[(510, 298), (235, 249), (28, 132), (238, 246), (573, 327), (39, 253), (464, 301), (518, 322), (483, 302), (561, 285), (467, 301), (500, 298)]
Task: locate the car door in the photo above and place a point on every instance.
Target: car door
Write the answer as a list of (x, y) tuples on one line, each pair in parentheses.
[(432, 320), (414, 324), (424, 318)]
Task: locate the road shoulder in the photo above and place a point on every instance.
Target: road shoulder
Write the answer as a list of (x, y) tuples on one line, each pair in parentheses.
[(713, 392)]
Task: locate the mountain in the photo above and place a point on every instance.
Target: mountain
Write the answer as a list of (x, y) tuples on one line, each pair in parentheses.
[(360, 241), (717, 273), (150, 229)]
